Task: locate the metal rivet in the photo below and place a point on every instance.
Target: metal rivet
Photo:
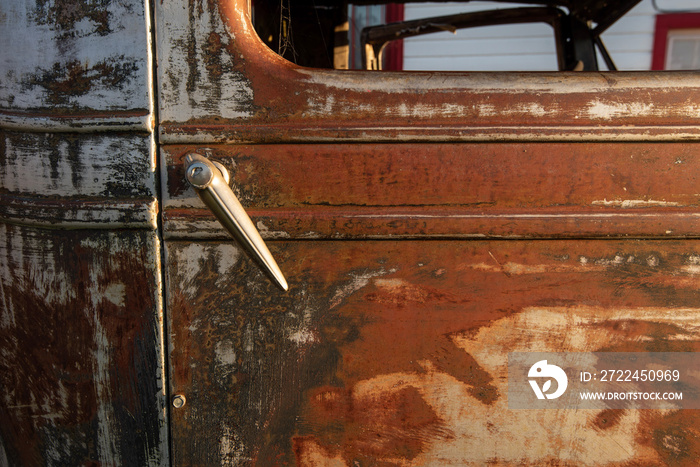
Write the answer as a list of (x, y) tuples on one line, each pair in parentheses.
[(179, 401)]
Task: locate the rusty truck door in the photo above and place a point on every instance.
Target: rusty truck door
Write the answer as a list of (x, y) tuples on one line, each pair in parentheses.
[(427, 224)]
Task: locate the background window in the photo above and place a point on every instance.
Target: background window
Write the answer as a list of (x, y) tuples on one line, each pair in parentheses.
[(677, 42)]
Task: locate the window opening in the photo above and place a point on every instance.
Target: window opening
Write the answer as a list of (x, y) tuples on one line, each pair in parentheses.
[(683, 52), (333, 34)]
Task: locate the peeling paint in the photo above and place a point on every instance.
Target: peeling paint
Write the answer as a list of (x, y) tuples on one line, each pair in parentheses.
[(115, 293), (77, 179), (106, 440), (357, 281), (228, 257), (62, 56), (634, 203), (225, 353), (187, 37), (266, 233), (231, 449), (609, 111), (84, 398), (65, 81)]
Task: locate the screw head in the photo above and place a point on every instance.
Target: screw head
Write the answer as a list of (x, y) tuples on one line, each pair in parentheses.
[(179, 401)]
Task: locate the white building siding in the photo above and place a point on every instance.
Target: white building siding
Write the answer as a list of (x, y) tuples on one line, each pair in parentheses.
[(527, 47)]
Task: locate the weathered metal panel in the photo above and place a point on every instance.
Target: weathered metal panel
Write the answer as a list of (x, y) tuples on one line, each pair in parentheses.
[(64, 57), (84, 180), (525, 190), (394, 352), (81, 359), (198, 74), (81, 337), (219, 82)]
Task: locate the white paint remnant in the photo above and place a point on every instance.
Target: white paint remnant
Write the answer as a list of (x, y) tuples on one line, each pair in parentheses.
[(226, 96), (226, 359), (303, 336), (494, 432), (514, 269), (485, 433), (565, 329), (37, 45), (357, 282), (599, 110), (487, 110), (189, 259), (101, 159), (329, 106), (106, 447), (533, 109), (231, 447), (634, 203), (194, 325), (227, 256), (302, 332), (225, 353), (248, 341), (616, 261), (116, 293), (266, 233), (693, 266)]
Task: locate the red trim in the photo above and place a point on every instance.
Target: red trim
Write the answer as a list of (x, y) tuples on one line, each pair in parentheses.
[(393, 54), (665, 23)]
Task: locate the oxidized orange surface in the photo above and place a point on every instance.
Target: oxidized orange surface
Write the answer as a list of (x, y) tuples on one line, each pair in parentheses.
[(386, 353), (528, 190)]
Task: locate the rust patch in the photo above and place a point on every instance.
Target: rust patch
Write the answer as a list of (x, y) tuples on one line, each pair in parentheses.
[(400, 293), (659, 337), (606, 419), (308, 453), (191, 47), (212, 58), (64, 14), (374, 358), (65, 80), (394, 190), (391, 422), (290, 103), (455, 362), (79, 363), (676, 437)]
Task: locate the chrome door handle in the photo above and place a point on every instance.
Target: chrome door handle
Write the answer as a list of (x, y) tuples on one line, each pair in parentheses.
[(210, 180)]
